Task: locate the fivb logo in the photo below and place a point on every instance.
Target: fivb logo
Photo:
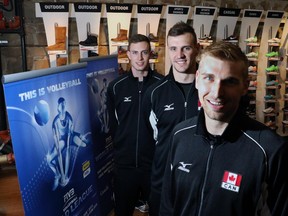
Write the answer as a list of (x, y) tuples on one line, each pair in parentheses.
[(231, 181)]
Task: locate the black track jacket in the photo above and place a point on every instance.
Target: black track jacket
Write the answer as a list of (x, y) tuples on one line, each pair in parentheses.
[(132, 146), (242, 172), (164, 107)]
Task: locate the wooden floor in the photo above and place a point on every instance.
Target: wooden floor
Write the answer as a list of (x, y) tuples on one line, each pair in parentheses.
[(10, 198)]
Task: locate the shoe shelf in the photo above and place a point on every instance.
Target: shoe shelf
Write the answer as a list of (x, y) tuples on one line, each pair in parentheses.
[(272, 96), (14, 24), (87, 48), (205, 41), (90, 44), (57, 52), (122, 48), (252, 47), (285, 99)]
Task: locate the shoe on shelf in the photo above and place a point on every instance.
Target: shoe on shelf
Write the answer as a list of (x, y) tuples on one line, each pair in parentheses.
[(252, 68), (251, 39), (14, 23), (253, 83), (231, 38), (272, 54), (272, 68), (252, 55), (274, 40), (205, 39), (154, 55), (272, 83), (122, 53), (269, 97), (121, 37), (270, 123), (268, 110), (92, 53), (90, 41), (153, 38)]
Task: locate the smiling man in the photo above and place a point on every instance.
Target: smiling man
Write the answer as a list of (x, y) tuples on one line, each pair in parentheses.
[(171, 101), (133, 148), (222, 162)]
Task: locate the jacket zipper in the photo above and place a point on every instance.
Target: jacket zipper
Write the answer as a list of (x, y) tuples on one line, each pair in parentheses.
[(205, 179), (140, 86), (185, 100)]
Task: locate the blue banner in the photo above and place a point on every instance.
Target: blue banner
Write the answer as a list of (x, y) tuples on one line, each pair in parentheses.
[(50, 123), (98, 78)]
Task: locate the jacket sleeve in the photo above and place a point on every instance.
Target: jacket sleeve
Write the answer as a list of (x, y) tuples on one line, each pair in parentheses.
[(278, 182), (166, 204), (111, 110)]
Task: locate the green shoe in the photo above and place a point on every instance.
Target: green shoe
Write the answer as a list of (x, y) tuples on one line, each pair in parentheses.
[(272, 54), (272, 68)]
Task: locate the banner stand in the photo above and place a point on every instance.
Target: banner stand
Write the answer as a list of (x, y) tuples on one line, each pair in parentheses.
[(62, 146)]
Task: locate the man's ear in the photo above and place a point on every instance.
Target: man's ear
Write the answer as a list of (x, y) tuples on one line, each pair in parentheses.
[(196, 79), (128, 54)]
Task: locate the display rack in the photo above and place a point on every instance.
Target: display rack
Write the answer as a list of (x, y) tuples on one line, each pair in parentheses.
[(285, 98), (271, 111), (252, 50), (18, 11)]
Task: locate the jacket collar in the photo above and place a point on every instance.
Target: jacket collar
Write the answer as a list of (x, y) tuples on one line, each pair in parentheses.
[(150, 73), (231, 133)]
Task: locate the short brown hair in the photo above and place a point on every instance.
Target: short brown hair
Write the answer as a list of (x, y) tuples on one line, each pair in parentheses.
[(181, 28), (138, 38), (226, 51)]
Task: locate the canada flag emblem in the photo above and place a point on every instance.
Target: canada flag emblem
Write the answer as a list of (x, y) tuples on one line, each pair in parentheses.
[(231, 181)]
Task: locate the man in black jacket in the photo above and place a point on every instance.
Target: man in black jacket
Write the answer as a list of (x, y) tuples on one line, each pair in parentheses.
[(171, 101), (133, 149), (223, 162)]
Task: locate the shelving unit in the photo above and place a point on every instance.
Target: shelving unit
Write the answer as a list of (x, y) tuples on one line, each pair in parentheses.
[(285, 98), (18, 11), (252, 50), (272, 96)]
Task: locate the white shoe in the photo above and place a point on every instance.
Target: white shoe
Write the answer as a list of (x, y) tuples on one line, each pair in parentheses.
[(252, 55), (251, 40), (142, 207), (268, 110), (274, 40)]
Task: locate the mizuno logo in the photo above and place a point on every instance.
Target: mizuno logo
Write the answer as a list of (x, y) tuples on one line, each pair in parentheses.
[(169, 107), (127, 99), (184, 166)]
